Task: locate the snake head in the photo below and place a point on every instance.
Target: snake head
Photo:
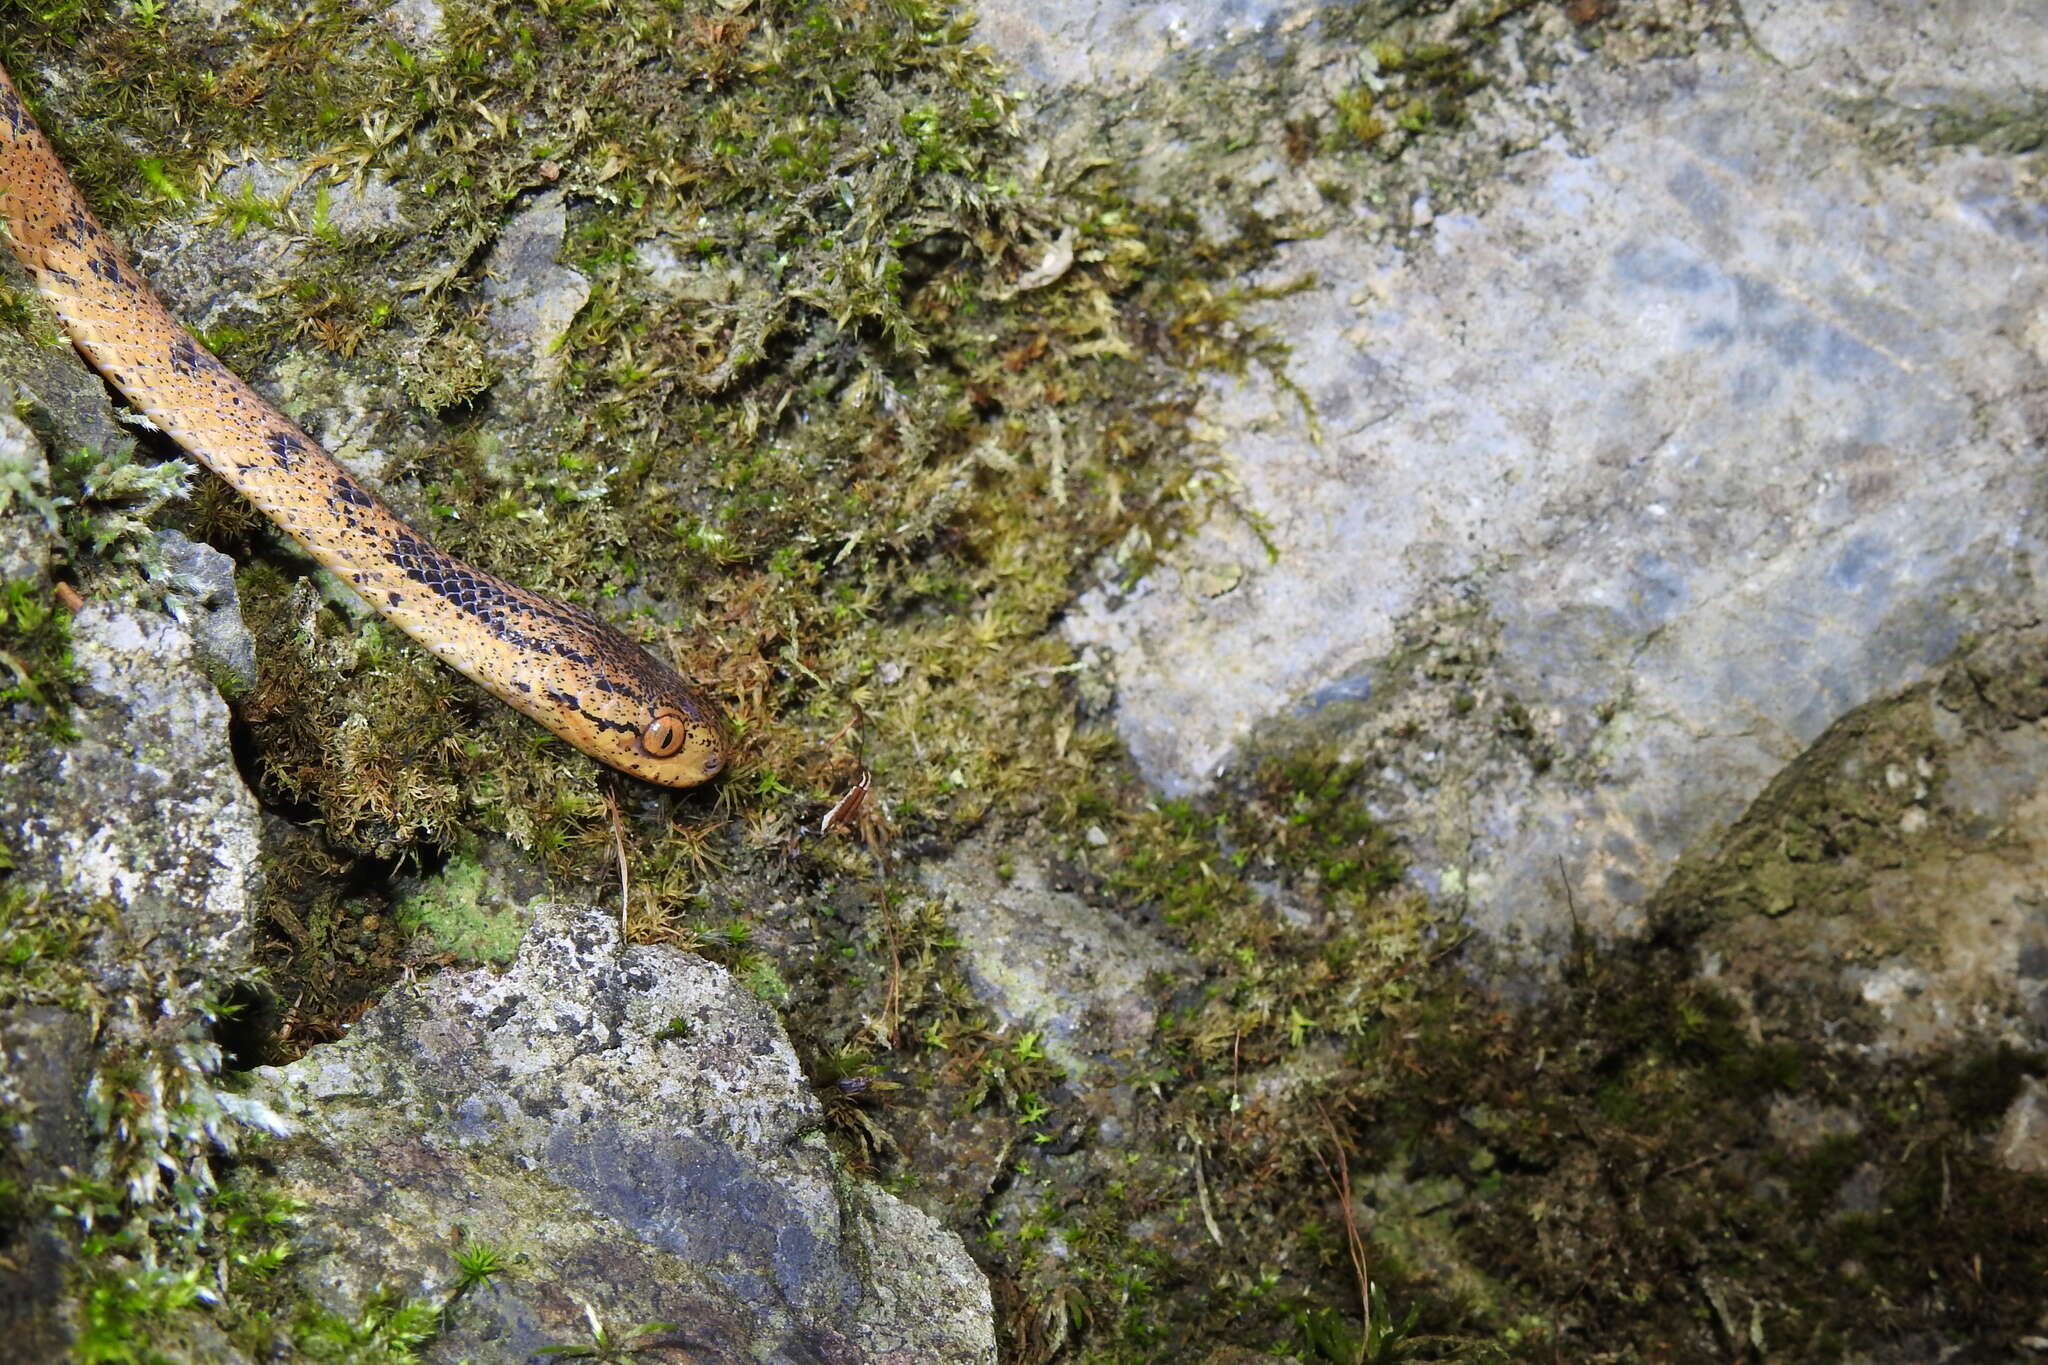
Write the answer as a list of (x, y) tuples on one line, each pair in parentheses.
[(614, 701), (681, 744)]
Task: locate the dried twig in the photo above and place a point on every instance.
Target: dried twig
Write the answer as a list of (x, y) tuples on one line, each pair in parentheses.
[(611, 805), (1354, 1240)]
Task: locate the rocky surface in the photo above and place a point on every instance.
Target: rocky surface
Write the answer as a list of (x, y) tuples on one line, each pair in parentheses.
[(1115, 44), (531, 295), (26, 520), (1710, 423), (180, 868), (1647, 498), (1044, 959), (633, 1131), (1899, 863), (45, 1061), (201, 596), (131, 878)]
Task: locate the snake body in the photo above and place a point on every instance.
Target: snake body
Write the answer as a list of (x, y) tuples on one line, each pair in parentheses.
[(556, 662)]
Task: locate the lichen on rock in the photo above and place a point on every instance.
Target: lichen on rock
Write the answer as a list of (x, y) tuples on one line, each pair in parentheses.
[(631, 1127)]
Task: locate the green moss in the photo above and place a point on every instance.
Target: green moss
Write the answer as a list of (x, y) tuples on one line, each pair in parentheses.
[(451, 911), (43, 947), (35, 654), (390, 1330)]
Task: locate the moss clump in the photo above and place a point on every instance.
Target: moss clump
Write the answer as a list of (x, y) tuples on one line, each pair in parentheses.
[(35, 652), (455, 916), (43, 945)]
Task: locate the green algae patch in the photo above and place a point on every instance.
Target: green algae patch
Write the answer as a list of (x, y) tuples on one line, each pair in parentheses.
[(458, 918)]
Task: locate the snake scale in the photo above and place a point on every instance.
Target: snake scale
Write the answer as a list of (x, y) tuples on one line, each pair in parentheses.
[(555, 662)]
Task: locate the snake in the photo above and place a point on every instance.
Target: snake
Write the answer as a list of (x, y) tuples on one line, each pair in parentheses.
[(553, 661)]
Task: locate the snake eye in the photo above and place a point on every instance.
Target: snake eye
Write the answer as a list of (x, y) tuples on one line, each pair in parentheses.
[(663, 735)]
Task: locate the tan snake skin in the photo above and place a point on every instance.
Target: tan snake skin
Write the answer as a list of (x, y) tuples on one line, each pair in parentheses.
[(557, 663)]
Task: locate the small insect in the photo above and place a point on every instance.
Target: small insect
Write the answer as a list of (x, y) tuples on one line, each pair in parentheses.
[(846, 811)]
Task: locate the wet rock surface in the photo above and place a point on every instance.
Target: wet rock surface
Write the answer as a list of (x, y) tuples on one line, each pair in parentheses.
[(632, 1129), (1706, 424)]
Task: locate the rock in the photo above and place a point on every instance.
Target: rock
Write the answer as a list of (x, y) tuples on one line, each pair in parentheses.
[(342, 205), (1903, 52), (1707, 429), (1116, 44), (179, 865), (45, 1056), (532, 296), (27, 518), (417, 24), (211, 276), (1897, 863), (632, 1130), (1047, 960), (141, 818), (202, 596), (2022, 1142)]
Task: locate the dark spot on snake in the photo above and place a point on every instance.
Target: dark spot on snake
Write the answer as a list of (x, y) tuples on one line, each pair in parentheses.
[(284, 446), (521, 686), (17, 117), (348, 491)]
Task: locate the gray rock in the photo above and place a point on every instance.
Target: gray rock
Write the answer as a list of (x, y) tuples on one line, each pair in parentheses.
[(144, 810), (1707, 429), (2022, 1142), (212, 275), (27, 519), (1115, 44), (200, 583), (532, 296), (632, 1127), (222, 266), (45, 1055), (347, 206), (1906, 52), (417, 24), (1047, 960)]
